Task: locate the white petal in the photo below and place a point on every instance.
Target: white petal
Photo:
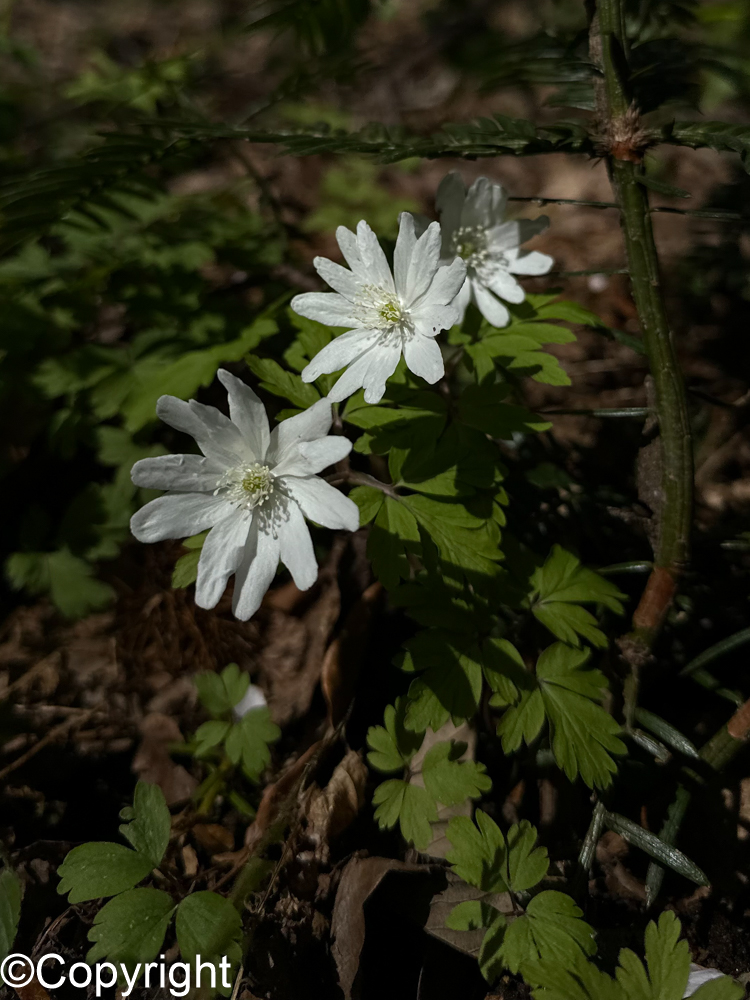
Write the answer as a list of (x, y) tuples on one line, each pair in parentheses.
[(532, 227), (189, 473), (423, 357), (322, 503), (373, 259), (296, 548), (461, 301), (177, 515), (405, 244), (485, 204), (221, 555), (449, 202), (312, 423), (430, 320), (325, 307), (502, 283), (256, 572), (532, 262), (446, 284), (312, 457), (698, 976), (347, 241), (370, 371), (215, 434), (252, 698), (247, 412), (340, 352), (425, 261), (491, 308), (512, 234), (339, 278)]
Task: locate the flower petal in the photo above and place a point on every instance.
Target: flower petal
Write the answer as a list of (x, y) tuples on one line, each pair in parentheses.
[(322, 503), (532, 262), (221, 555), (217, 437), (430, 320), (370, 371), (256, 571), (247, 412), (325, 307), (405, 244), (449, 203), (502, 283), (314, 456), (340, 352), (445, 285), (373, 259), (347, 241), (423, 357), (491, 308), (296, 548), (311, 424), (485, 204), (188, 473), (177, 515), (339, 278), (425, 261)]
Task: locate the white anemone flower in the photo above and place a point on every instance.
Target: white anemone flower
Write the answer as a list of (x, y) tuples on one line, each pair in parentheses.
[(387, 313), (476, 230), (252, 487)]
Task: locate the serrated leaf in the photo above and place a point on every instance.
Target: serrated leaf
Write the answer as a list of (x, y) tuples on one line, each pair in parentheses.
[(449, 779), (148, 831), (482, 856), (131, 927), (210, 735), (219, 693), (249, 740), (68, 580), (369, 500), (394, 746), (550, 930), (394, 534), (412, 807), (288, 385), (466, 544), (91, 871), (185, 570), (207, 925), (451, 682), (483, 408), (10, 909)]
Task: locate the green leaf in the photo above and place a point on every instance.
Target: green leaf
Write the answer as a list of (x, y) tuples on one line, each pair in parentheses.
[(483, 408), (207, 925), (92, 871), (249, 739), (584, 735), (369, 500), (280, 382), (412, 807), (186, 570), (394, 746), (449, 779), (394, 534), (210, 735), (664, 853), (451, 683), (562, 583), (550, 930), (483, 857), (70, 581), (148, 831), (570, 312), (131, 927), (219, 693), (466, 544), (10, 909), (661, 187)]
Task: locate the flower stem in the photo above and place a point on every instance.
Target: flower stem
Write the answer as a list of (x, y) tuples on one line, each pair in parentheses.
[(619, 125)]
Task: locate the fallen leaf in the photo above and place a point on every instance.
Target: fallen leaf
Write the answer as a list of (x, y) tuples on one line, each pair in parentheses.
[(213, 837), (330, 810), (152, 762)]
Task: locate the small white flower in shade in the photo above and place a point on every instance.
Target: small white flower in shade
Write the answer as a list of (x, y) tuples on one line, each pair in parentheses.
[(252, 698), (476, 230), (698, 976), (252, 487), (388, 314)]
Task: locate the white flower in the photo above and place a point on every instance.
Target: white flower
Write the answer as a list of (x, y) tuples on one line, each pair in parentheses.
[(387, 313), (252, 698), (698, 976), (475, 229), (251, 487)]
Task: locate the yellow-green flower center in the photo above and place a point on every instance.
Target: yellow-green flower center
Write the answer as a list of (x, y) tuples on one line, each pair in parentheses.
[(248, 486), (390, 312)]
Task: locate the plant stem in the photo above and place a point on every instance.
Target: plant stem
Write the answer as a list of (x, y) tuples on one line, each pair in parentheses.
[(619, 125)]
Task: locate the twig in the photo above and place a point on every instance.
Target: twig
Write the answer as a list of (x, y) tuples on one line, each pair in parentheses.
[(362, 479), (51, 736), (697, 213)]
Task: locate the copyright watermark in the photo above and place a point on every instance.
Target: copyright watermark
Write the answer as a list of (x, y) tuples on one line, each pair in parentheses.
[(52, 972)]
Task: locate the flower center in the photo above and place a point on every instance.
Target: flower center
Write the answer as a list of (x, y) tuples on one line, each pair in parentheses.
[(247, 486), (470, 243), (390, 312)]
